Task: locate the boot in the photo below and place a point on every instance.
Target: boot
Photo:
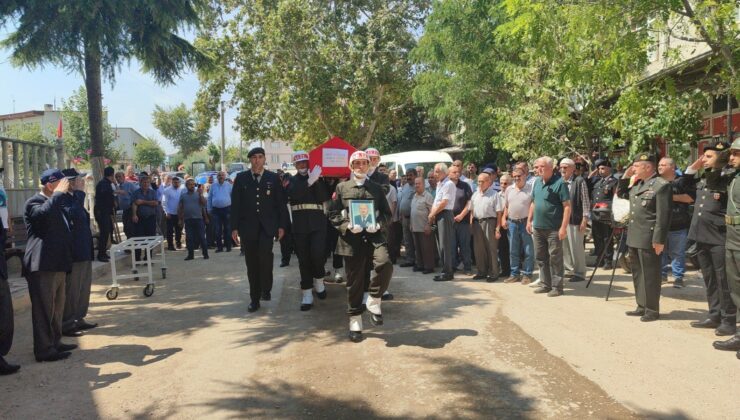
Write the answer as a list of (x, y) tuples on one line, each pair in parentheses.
[(355, 328), (318, 284), (373, 306), (307, 301)]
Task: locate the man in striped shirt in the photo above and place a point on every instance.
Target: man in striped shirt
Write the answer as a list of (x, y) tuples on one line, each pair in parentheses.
[(574, 255)]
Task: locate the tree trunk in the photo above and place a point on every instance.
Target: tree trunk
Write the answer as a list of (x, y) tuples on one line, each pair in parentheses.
[(94, 108)]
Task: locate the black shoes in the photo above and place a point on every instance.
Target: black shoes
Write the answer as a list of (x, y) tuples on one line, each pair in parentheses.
[(678, 283), (543, 289), (306, 307), (725, 329), (427, 272), (636, 312), (266, 296), (171, 248), (72, 333), (205, 256), (417, 269), (219, 250), (649, 317), (7, 368), (66, 347), (355, 336), (103, 258), (406, 264), (376, 319), (321, 295), (491, 279), (555, 293), (387, 296), (608, 265), (444, 277), (707, 323), (189, 257), (733, 344), (479, 277), (54, 357), (576, 279), (253, 307), (84, 325), (284, 264)]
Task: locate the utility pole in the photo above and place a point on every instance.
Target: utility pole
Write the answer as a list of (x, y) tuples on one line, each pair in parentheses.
[(223, 139), (729, 116)]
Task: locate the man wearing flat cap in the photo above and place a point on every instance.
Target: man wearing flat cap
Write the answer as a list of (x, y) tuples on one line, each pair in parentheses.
[(79, 280), (651, 199), (259, 214), (46, 262), (602, 185), (709, 231)]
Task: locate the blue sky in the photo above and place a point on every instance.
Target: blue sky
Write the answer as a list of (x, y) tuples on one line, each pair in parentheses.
[(129, 102)]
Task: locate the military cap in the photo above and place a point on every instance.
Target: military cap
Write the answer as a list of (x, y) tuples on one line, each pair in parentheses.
[(602, 162), (735, 144), (51, 175), (645, 157), (718, 146), (255, 151)]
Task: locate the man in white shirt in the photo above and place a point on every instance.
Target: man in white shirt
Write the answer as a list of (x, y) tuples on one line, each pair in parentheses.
[(171, 204), (486, 208), (441, 213), (517, 200)]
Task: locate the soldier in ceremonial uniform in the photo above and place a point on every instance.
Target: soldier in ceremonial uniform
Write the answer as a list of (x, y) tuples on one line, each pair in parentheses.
[(732, 246), (258, 215), (384, 181), (602, 185), (306, 195), (708, 230), (650, 217), (362, 246)]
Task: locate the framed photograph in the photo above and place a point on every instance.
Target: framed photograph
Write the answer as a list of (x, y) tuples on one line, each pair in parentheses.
[(362, 213)]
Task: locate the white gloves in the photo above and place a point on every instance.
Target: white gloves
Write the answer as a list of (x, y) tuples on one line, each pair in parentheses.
[(373, 228), (354, 229), (314, 175)]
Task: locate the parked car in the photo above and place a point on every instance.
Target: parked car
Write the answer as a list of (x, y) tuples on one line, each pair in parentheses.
[(202, 178), (404, 161)]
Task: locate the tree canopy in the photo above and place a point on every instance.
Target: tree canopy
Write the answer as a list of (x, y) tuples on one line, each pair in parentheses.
[(77, 142), (148, 152), (178, 125), (305, 70)]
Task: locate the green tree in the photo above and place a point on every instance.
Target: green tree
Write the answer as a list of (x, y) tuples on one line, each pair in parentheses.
[(95, 37), (148, 152), (178, 125), (76, 122), (305, 70), (416, 131), (214, 155)]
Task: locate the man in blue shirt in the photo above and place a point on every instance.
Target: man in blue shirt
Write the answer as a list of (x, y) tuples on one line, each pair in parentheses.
[(124, 193), (219, 203), (548, 219), (170, 203)]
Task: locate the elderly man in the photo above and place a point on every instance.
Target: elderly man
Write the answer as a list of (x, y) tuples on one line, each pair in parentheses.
[(683, 195), (46, 262), (574, 255), (650, 210), (431, 184), (362, 245), (518, 199), (486, 208), (405, 196), (192, 214), (708, 230), (145, 203), (124, 193), (460, 216), (548, 219), (171, 204), (131, 175), (441, 214), (421, 228), (529, 178), (219, 201), (504, 256)]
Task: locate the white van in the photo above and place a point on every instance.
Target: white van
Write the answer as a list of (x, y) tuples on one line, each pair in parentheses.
[(404, 161)]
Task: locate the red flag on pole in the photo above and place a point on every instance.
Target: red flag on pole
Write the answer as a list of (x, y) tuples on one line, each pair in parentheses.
[(59, 129)]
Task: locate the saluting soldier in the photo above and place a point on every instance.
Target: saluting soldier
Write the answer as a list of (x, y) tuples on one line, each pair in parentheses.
[(650, 217), (306, 195), (385, 182), (732, 252), (258, 215), (603, 185), (708, 230), (362, 246)]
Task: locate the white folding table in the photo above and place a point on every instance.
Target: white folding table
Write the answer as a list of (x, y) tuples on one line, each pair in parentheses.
[(145, 244)]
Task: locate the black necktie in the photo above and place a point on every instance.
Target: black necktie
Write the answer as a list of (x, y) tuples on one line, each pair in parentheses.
[(257, 178)]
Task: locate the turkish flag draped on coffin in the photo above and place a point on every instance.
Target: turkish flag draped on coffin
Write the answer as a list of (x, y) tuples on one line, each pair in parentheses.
[(333, 156)]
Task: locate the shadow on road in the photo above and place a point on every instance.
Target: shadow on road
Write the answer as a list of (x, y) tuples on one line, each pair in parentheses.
[(428, 339)]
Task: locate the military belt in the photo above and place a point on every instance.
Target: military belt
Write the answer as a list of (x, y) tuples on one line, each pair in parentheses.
[(298, 207), (732, 220)]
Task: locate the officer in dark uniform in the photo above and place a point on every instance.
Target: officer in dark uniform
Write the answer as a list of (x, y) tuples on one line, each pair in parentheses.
[(307, 194), (46, 262), (708, 230), (287, 247), (602, 185), (79, 280), (105, 201), (258, 215), (732, 246), (650, 218), (6, 313), (362, 246)]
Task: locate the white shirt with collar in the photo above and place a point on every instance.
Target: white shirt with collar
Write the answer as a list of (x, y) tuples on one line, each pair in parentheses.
[(446, 191)]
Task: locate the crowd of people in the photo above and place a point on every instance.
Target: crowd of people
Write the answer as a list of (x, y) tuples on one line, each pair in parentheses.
[(435, 220)]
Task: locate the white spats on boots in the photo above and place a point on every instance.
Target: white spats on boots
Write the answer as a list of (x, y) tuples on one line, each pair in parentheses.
[(318, 284), (364, 298), (355, 328), (307, 301), (373, 306)]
